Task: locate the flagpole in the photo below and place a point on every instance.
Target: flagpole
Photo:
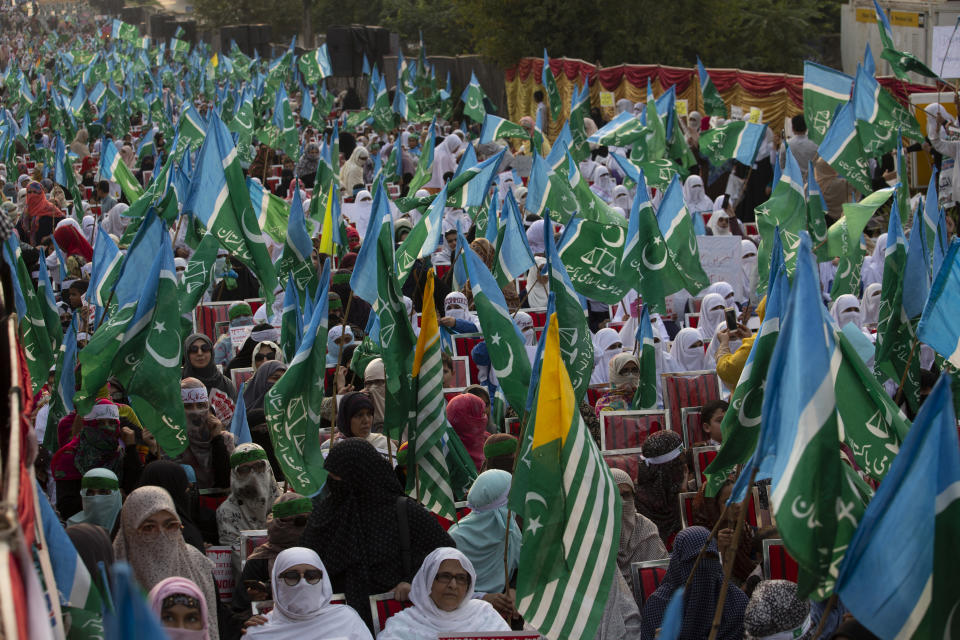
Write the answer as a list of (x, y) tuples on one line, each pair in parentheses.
[(176, 232), (703, 549), (826, 613), (731, 555), (906, 370)]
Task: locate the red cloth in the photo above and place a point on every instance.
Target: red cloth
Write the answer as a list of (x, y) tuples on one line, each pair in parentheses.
[(88, 164), (467, 414), (70, 238)]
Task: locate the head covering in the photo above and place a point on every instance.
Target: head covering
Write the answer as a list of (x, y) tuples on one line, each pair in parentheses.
[(872, 270), (466, 413), (209, 375), (714, 223), (933, 110), (174, 589), (333, 347), (659, 480), (238, 310), (281, 533), (535, 237), (870, 308), (617, 364), (480, 535), (499, 451), (173, 477), (621, 197), (710, 314), (374, 372), (93, 545), (161, 554), (748, 270), (725, 291), (604, 349), (97, 444), (350, 405), (538, 293), (525, 323), (251, 494), (684, 356), (99, 509), (695, 197), (70, 239), (304, 610), (776, 613), (456, 306), (846, 309), (700, 598), (256, 390)]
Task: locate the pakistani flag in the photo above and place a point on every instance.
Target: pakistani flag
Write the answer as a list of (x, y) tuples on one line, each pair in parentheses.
[(315, 65), (571, 513), (148, 360), (473, 97), (841, 149), (112, 168), (221, 200), (431, 483), (645, 397), (622, 131), (508, 357), (576, 342), (881, 120), (741, 423), (824, 90), (513, 256), (677, 229), (292, 405), (898, 584), (737, 140), (713, 104), (897, 354), (901, 62), (938, 324), (497, 128), (295, 259), (550, 85), (37, 343)]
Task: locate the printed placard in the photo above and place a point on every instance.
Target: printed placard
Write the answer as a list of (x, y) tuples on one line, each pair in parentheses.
[(222, 405), (607, 99), (682, 107), (239, 335), (222, 571)]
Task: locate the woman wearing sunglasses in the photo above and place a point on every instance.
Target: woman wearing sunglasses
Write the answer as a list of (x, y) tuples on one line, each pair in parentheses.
[(198, 363), (301, 603)]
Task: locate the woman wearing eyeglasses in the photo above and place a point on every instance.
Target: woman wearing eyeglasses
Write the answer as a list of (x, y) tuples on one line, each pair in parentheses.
[(252, 492), (301, 603), (150, 540), (198, 363), (443, 602)]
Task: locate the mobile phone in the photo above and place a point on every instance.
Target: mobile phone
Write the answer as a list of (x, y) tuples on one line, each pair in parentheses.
[(731, 316)]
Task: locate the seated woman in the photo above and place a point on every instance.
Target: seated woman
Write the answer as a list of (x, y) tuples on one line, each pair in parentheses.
[(707, 511), (182, 609), (252, 492), (624, 379), (659, 481), (209, 447), (639, 538), (700, 598), (443, 602), (100, 494), (198, 363), (467, 415), (301, 603), (355, 420), (150, 540), (457, 317)]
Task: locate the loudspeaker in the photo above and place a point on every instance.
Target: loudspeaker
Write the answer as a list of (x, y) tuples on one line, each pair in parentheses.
[(340, 50)]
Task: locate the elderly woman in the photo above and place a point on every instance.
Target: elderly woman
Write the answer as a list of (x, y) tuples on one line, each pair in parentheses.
[(639, 539), (252, 491), (442, 595), (301, 603), (182, 609), (150, 540)]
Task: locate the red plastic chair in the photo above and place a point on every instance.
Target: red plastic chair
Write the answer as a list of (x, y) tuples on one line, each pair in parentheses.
[(692, 426), (646, 577), (626, 462), (595, 392), (628, 429), (382, 606), (702, 457), (685, 390), (777, 562)]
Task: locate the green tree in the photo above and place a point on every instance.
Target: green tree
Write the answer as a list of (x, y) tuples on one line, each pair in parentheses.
[(445, 32)]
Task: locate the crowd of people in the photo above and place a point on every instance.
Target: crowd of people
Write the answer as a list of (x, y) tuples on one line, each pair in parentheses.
[(122, 498)]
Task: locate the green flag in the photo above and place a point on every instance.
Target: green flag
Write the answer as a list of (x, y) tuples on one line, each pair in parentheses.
[(198, 275), (37, 344), (550, 85), (425, 164), (713, 104), (824, 90), (473, 100), (677, 229), (645, 397)]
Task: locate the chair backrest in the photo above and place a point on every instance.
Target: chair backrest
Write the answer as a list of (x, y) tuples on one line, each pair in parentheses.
[(703, 456), (646, 577), (382, 606), (513, 426), (692, 320), (777, 563), (250, 539), (207, 315), (212, 498), (239, 375), (628, 429), (463, 345), (692, 426), (686, 507), (461, 371), (627, 461), (687, 389), (539, 317)]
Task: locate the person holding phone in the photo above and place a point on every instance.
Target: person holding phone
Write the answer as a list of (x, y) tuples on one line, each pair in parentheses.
[(733, 347)]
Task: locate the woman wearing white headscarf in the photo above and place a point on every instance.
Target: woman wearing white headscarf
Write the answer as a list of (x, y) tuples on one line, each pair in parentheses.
[(525, 323), (687, 352), (719, 224), (351, 174), (846, 309), (711, 314), (303, 609), (89, 228), (603, 183), (872, 271), (535, 237), (444, 160), (538, 290), (606, 345), (725, 291), (456, 314), (870, 307), (443, 602), (621, 197), (114, 222), (748, 271), (695, 197)]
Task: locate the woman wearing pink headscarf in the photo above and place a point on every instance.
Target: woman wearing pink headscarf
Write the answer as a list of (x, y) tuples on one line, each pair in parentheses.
[(181, 607), (467, 414)]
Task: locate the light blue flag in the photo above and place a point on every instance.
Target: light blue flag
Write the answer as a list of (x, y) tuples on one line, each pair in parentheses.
[(899, 584), (931, 210), (869, 65), (475, 190), (917, 271), (467, 161), (66, 386), (104, 270), (621, 121), (132, 616), (777, 172), (74, 583), (938, 324), (493, 220), (941, 244), (666, 106), (363, 282), (513, 254), (61, 260), (139, 259), (538, 186), (238, 425), (459, 268)]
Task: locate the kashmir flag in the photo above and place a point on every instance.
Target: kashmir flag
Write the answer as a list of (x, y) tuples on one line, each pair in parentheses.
[(881, 120), (497, 128), (508, 357), (221, 200), (293, 404), (841, 149), (571, 513), (37, 343), (374, 280), (677, 229), (938, 324), (741, 423), (112, 168), (901, 62), (645, 397), (295, 259), (898, 584), (315, 65), (473, 100), (431, 484), (576, 342), (713, 104), (513, 256), (824, 90), (737, 140), (423, 239), (550, 85), (622, 131), (149, 357)]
